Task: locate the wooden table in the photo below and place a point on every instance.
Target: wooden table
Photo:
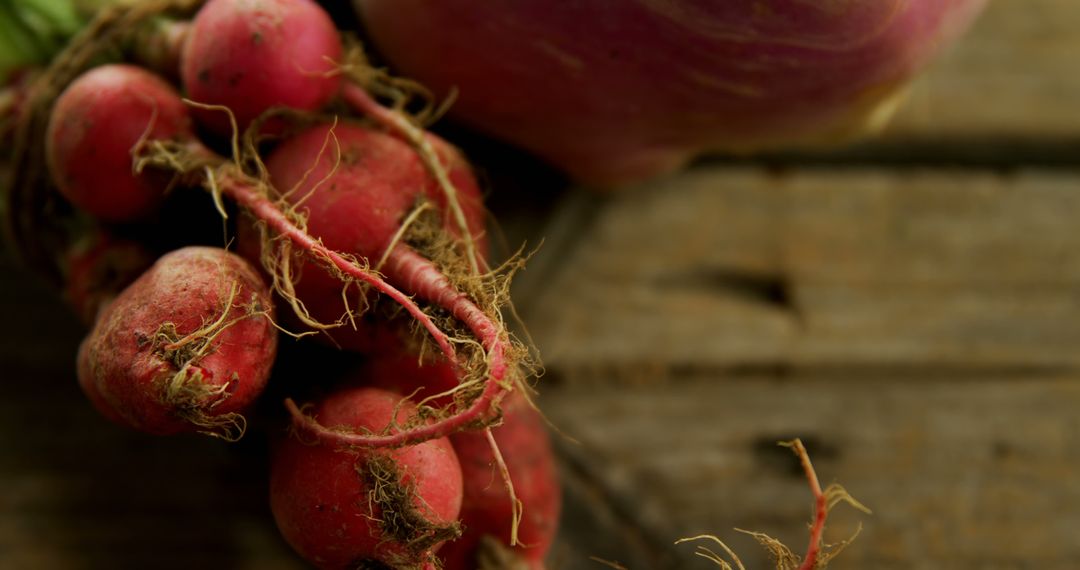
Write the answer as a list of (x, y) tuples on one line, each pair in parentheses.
[(909, 306)]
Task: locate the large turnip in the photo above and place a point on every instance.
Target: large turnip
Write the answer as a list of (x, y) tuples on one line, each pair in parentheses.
[(617, 91)]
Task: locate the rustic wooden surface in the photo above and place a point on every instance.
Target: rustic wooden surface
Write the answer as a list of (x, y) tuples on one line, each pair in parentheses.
[(1011, 79), (910, 306), (973, 472), (729, 267), (917, 327), (1006, 92)]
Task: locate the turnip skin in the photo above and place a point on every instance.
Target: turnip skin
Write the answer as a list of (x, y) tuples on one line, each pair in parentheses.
[(616, 92)]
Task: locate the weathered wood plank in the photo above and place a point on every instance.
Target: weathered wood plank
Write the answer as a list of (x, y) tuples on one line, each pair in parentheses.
[(962, 473), (1011, 77), (723, 267)]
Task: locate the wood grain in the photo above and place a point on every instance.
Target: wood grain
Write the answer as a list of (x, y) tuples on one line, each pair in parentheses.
[(1011, 77), (917, 327), (961, 473), (736, 267)]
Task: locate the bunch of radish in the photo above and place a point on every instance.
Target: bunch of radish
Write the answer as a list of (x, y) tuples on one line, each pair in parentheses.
[(343, 220)]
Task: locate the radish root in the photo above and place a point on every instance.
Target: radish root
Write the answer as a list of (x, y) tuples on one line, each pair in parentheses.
[(415, 272), (189, 390), (401, 521), (818, 554)]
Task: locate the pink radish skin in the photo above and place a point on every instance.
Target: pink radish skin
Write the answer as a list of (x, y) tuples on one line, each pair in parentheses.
[(88, 383), (251, 55), (615, 92), (356, 192), (404, 266), (140, 346), (98, 267), (486, 508), (97, 124), (126, 82), (320, 496), (359, 211)]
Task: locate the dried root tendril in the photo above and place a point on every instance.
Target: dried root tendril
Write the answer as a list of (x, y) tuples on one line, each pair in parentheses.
[(516, 506), (402, 92), (711, 555), (192, 397), (488, 359), (818, 554), (364, 79), (608, 563), (477, 343), (188, 391), (399, 123), (282, 227), (399, 517)]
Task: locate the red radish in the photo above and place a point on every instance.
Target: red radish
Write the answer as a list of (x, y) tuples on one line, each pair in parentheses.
[(349, 508), (99, 266), (359, 210), (180, 153), (187, 347), (403, 264), (487, 508), (251, 55), (88, 383), (818, 553), (397, 369), (96, 126), (356, 187), (614, 92)]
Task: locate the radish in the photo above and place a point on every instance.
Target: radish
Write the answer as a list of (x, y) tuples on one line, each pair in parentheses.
[(251, 55), (488, 509), (359, 210), (138, 155), (99, 266), (96, 126), (402, 263), (614, 92), (357, 186), (818, 553), (356, 508), (187, 347)]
